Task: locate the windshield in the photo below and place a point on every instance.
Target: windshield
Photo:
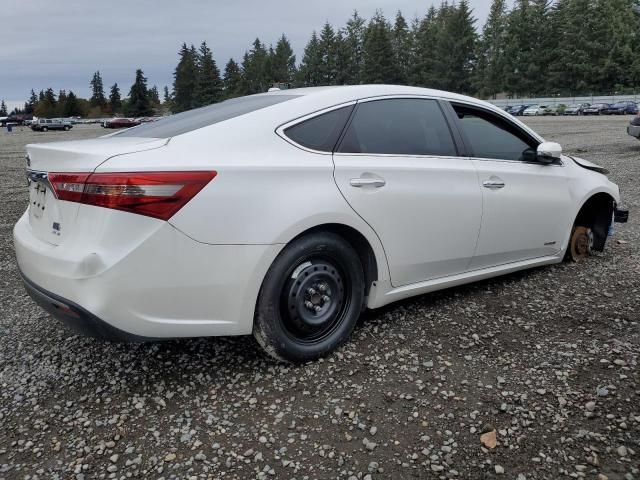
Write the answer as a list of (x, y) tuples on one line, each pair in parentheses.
[(203, 117)]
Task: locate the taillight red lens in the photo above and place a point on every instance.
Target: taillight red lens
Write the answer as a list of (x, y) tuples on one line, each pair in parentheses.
[(154, 194)]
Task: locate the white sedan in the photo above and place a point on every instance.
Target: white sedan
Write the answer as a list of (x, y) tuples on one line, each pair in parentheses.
[(535, 110), (286, 214)]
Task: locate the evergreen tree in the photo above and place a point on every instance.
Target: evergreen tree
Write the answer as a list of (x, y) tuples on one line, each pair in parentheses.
[(97, 91), (30, 105), (379, 64), (48, 106), (209, 84), (311, 68), (71, 106), (283, 63), (255, 74), (185, 78), (3, 109), (455, 48), (425, 33), (402, 48), (491, 51), (115, 101), (232, 82), (138, 104), (154, 96), (328, 53), (354, 46), (166, 96)]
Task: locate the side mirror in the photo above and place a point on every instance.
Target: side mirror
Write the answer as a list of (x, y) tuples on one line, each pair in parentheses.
[(549, 152)]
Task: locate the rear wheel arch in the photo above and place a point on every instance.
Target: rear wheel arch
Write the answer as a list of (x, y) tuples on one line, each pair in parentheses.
[(596, 213), (359, 243)]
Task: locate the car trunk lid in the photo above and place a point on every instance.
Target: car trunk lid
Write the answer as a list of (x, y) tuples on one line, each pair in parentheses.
[(52, 220)]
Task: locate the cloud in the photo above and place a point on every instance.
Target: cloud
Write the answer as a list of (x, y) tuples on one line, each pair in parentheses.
[(61, 44)]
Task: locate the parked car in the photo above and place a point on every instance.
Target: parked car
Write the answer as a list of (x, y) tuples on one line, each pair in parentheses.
[(286, 214), (622, 108), (576, 109), (518, 110), (552, 110), (596, 109), (634, 128), (45, 124), (120, 123), (534, 110)]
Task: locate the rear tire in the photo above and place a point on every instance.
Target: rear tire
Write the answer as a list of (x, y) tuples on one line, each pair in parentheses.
[(65, 128), (44, 129), (310, 299)]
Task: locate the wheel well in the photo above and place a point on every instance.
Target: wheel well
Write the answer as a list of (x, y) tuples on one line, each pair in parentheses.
[(360, 244), (596, 214)]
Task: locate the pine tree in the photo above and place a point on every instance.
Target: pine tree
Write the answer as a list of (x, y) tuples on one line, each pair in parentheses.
[(3, 109), (71, 106), (154, 97), (115, 100), (402, 48), (379, 64), (97, 92), (184, 83), (209, 84), (47, 107), (328, 52), (166, 96), (425, 33), (255, 73), (310, 72), (354, 45), (62, 99), (283, 63), (232, 79), (489, 75), (138, 104), (30, 105)]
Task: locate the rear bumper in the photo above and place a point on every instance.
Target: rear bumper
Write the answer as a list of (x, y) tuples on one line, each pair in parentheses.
[(154, 284), (634, 131), (77, 318)]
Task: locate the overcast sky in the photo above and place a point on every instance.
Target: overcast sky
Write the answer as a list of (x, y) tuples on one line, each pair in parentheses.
[(60, 44)]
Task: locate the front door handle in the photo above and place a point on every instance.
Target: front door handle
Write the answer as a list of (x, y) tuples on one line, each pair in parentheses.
[(367, 182), (493, 184)]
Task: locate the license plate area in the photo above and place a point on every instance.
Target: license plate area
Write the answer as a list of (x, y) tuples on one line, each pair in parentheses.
[(38, 193), (45, 216)]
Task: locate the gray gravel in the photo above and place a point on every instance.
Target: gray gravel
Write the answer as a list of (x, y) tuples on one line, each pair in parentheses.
[(542, 364)]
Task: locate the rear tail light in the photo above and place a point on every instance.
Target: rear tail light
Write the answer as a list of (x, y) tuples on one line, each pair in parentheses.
[(154, 194)]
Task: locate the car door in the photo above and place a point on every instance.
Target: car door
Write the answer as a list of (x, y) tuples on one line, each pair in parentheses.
[(398, 168), (527, 207)]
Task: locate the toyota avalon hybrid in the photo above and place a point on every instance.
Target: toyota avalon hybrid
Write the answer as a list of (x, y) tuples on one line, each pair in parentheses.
[(286, 214)]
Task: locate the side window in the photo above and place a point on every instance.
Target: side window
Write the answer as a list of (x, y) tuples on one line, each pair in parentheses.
[(492, 137), (321, 132), (399, 126)]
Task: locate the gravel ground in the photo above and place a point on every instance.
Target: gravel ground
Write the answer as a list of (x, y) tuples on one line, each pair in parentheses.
[(544, 362)]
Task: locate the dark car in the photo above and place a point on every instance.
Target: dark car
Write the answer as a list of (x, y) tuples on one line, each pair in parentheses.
[(120, 123), (46, 124), (576, 109), (596, 109), (517, 110), (622, 108)]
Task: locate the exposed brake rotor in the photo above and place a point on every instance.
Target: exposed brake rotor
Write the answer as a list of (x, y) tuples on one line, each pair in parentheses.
[(581, 243)]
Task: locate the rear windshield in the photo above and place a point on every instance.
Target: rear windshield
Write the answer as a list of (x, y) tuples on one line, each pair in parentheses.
[(202, 117)]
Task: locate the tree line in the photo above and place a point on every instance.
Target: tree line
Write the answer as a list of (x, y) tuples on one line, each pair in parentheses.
[(141, 102), (530, 48)]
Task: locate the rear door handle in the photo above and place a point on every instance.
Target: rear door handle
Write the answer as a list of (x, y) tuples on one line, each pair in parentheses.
[(493, 184), (367, 182)]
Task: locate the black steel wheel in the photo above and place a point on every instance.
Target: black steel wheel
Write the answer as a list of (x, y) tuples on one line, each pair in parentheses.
[(310, 299)]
